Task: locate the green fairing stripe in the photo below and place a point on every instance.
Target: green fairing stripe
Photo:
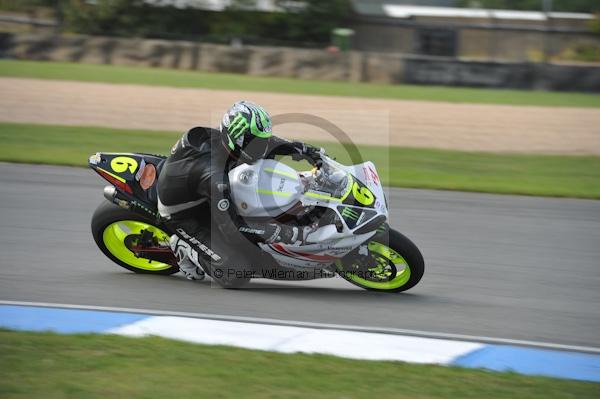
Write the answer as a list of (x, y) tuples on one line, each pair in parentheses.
[(281, 172), (279, 193), (321, 196), (350, 183), (402, 276), (114, 236)]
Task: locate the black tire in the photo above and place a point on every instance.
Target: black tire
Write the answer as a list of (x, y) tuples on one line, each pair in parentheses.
[(108, 213), (405, 248)]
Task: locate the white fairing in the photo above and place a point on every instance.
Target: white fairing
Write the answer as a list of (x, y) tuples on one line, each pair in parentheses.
[(367, 173), (266, 188), (269, 188)]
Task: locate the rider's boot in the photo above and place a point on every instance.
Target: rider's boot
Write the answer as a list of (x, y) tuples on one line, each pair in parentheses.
[(187, 258)]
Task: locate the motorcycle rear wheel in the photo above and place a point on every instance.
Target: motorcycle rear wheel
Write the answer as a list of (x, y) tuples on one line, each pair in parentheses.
[(113, 229), (393, 264)]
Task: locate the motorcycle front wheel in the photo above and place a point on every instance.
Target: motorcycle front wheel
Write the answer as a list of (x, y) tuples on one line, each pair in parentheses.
[(389, 263)]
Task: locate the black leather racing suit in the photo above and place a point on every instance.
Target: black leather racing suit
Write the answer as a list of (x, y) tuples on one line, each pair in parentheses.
[(193, 188)]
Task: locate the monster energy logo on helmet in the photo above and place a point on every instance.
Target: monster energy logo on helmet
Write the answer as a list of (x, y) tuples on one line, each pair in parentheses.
[(238, 126), (246, 117), (246, 128)]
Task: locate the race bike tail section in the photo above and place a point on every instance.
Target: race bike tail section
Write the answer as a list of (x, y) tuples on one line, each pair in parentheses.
[(133, 176)]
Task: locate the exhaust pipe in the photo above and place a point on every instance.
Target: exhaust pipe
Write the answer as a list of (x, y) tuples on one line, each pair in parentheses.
[(110, 193)]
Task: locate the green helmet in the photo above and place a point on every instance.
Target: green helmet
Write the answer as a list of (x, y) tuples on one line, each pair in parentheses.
[(246, 130)]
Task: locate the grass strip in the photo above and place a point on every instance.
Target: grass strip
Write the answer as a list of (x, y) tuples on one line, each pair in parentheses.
[(224, 81), (542, 175), (45, 365)]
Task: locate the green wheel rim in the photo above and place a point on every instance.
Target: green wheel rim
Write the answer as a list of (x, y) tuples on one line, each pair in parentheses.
[(402, 269), (114, 239)]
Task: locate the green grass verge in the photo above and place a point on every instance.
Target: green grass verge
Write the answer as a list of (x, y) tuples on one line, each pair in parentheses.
[(543, 175), (222, 81), (44, 365)]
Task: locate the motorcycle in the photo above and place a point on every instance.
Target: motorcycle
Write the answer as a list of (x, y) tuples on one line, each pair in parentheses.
[(344, 208)]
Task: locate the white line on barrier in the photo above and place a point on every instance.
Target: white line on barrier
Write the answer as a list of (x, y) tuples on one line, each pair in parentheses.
[(293, 323)]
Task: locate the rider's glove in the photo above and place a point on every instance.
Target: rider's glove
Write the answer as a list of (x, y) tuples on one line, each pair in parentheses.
[(283, 233), (315, 155), (308, 152)]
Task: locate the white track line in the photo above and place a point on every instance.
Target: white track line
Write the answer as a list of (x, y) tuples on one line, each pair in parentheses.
[(381, 330)]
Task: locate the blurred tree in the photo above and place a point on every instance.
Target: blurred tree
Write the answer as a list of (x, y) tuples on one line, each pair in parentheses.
[(238, 19), (23, 5), (242, 5), (132, 18), (303, 23), (104, 16), (594, 24), (313, 20)]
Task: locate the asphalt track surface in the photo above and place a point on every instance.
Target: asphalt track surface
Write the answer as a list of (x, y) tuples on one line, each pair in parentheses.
[(511, 267)]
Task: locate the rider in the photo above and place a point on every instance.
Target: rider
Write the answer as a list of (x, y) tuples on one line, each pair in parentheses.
[(195, 178)]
